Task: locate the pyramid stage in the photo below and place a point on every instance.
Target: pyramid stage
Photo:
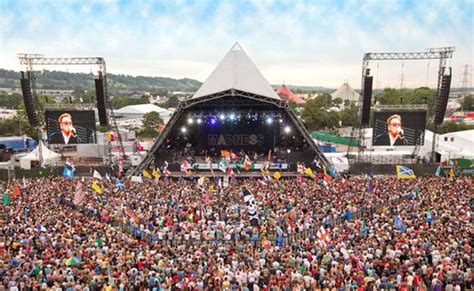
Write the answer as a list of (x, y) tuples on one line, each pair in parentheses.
[(235, 113)]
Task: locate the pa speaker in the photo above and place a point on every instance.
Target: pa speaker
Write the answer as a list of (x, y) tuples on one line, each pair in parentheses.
[(101, 102), (442, 99), (28, 100), (367, 100)]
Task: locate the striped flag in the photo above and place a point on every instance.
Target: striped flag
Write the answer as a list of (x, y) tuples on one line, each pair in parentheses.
[(131, 214), (300, 169), (324, 236)]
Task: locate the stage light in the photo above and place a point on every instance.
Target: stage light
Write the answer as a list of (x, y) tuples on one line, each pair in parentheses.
[(183, 129), (280, 120), (232, 116), (190, 120), (199, 120), (269, 120), (212, 121), (287, 129), (222, 116)]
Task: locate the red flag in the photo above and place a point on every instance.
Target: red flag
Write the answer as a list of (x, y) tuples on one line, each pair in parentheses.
[(16, 191)]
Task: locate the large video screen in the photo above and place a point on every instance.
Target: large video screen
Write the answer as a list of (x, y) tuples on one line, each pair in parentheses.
[(70, 126), (399, 128)]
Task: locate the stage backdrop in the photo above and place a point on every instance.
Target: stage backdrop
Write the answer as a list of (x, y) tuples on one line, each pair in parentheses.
[(83, 123), (411, 125)]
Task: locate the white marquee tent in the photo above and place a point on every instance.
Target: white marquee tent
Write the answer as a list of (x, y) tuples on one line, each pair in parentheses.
[(49, 157)]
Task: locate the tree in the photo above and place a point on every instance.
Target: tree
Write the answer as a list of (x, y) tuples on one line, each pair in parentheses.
[(336, 102), (151, 124), (11, 101), (172, 102), (468, 103)]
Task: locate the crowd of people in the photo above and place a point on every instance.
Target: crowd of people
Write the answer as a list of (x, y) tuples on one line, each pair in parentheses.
[(346, 234)]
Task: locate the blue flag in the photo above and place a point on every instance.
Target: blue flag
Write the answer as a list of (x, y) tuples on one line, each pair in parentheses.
[(438, 171), (399, 224), (119, 184), (68, 172)]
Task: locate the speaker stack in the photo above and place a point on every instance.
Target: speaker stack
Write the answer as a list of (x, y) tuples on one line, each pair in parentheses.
[(101, 101), (29, 100), (367, 98), (442, 99)]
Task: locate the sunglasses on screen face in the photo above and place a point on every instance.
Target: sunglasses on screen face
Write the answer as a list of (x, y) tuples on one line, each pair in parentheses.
[(396, 124)]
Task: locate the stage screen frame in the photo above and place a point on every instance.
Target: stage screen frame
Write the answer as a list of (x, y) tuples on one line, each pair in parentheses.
[(413, 124), (83, 122)]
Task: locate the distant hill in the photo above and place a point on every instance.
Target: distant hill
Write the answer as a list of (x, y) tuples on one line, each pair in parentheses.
[(306, 89), (82, 81)]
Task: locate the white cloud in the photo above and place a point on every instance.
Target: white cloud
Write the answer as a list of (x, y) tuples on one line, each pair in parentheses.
[(302, 43)]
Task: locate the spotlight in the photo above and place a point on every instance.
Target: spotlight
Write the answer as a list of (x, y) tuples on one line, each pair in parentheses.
[(183, 129), (287, 129), (280, 120), (190, 120), (213, 121), (199, 120), (269, 120), (222, 116), (232, 116)]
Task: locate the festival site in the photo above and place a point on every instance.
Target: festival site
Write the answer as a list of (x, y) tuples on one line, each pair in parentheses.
[(243, 145)]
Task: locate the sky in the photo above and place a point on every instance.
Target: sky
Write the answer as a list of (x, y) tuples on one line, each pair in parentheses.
[(313, 43)]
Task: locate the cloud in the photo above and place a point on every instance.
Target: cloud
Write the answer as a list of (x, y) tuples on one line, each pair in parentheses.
[(299, 42)]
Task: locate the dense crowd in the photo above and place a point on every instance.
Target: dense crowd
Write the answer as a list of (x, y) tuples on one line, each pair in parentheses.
[(58, 233)]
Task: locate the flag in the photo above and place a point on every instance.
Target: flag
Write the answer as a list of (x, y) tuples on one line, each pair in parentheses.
[(225, 154), (68, 172), (166, 173), (131, 214), (119, 184), (451, 173), (201, 180), (185, 166), (223, 165), (97, 175), (16, 191), (429, 218), (264, 168), (358, 262), (155, 174), (5, 198), (79, 195), (324, 236), (316, 163), (300, 169), (399, 224), (233, 156), (371, 187), (70, 165), (146, 174), (309, 172), (107, 177), (277, 175), (96, 187), (405, 172), (41, 228), (137, 179), (231, 172), (247, 163), (438, 171)]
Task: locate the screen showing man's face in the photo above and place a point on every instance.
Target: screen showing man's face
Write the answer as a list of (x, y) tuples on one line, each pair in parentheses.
[(66, 125), (394, 126)]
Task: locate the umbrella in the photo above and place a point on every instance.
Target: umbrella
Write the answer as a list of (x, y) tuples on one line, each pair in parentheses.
[(73, 261)]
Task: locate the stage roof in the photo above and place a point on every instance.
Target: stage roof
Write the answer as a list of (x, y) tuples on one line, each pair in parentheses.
[(345, 92), (236, 71)]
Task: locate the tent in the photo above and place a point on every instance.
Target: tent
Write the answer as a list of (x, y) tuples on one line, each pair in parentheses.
[(345, 92), (49, 157), (288, 95)]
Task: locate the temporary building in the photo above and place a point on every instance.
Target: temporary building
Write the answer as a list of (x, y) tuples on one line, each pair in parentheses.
[(40, 153), (286, 93), (345, 92)]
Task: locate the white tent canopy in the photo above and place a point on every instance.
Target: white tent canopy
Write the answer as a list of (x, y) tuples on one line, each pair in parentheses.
[(49, 157), (345, 92), (236, 71)]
